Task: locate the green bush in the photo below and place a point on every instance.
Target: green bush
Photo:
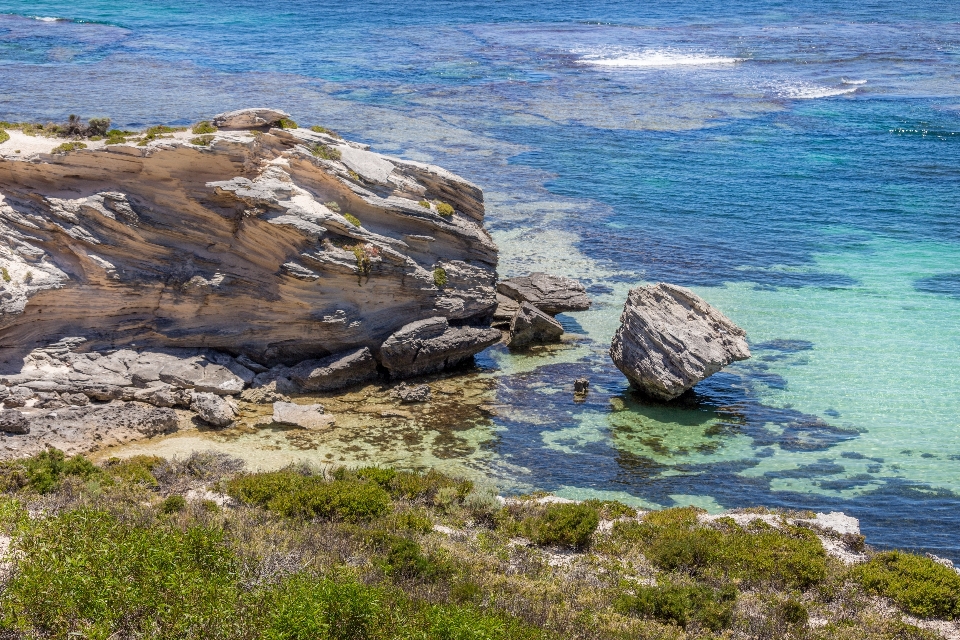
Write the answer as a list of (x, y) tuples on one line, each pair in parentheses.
[(157, 132), (202, 141), (424, 204), (4, 136), (68, 146), (135, 469), (303, 608), (793, 612), (5, 274), (567, 525), (333, 206), (444, 209), (116, 136), (173, 504), (674, 540), (352, 219), (294, 495), (203, 127), (919, 585), (86, 573), (405, 559), (45, 471), (440, 277), (318, 129), (381, 476), (681, 605), (611, 509), (284, 123), (325, 151), (98, 127), (409, 485)]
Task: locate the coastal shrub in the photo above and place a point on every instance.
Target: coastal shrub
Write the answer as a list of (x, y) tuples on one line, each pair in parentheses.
[(86, 573), (566, 525), (173, 504), (44, 471), (304, 608), (135, 469), (203, 127), (404, 558), (157, 132), (919, 585), (318, 129), (611, 509), (333, 206), (352, 219), (380, 475), (424, 204), (284, 123), (295, 495), (97, 127), (354, 175), (674, 540), (116, 136), (411, 521), (5, 274), (440, 277), (444, 209), (422, 487), (68, 146), (202, 141), (793, 612), (28, 277), (363, 261), (4, 136), (325, 151), (681, 604)]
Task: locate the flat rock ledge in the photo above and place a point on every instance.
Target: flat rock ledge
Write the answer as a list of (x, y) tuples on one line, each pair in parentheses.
[(670, 339)]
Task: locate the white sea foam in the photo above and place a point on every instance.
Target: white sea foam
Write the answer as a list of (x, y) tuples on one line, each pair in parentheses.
[(812, 91), (856, 82), (48, 19), (656, 58)]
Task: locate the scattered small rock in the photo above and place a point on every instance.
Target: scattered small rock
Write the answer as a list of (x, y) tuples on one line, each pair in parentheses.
[(12, 421), (214, 409), (581, 386), (263, 395), (407, 394), (306, 416), (530, 325)]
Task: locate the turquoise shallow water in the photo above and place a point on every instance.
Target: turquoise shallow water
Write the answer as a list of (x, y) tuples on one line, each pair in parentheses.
[(797, 165)]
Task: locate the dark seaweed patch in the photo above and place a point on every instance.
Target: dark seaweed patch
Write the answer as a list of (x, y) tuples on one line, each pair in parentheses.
[(944, 284)]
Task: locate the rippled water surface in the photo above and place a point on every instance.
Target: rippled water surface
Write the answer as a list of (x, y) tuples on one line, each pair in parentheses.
[(797, 164)]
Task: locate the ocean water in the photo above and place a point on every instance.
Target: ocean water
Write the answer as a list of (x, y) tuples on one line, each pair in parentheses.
[(796, 164)]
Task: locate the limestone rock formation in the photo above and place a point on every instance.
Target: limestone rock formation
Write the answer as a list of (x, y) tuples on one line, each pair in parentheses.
[(249, 118), (237, 243), (336, 371), (12, 421), (431, 345), (670, 339), (550, 294), (530, 326), (306, 416)]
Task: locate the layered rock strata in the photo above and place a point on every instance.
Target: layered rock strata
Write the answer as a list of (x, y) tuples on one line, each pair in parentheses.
[(243, 241), (526, 306), (175, 273), (670, 339)]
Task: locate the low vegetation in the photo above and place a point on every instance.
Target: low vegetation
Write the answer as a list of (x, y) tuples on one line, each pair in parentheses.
[(440, 277), (284, 123), (203, 127), (352, 219), (68, 146), (4, 136), (202, 141), (444, 209), (325, 151), (318, 129), (142, 548)]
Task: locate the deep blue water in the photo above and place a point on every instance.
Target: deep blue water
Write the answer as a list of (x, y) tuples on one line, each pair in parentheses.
[(796, 163)]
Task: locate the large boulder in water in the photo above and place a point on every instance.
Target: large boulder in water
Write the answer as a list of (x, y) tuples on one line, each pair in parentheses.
[(670, 339)]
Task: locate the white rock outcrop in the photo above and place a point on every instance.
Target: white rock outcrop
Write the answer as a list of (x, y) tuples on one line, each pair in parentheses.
[(670, 339)]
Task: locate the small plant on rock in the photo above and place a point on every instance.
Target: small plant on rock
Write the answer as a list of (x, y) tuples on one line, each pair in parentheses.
[(5, 274), (325, 151), (4, 136), (203, 127), (333, 206), (284, 123), (352, 219), (318, 129), (444, 209), (202, 141), (440, 277)]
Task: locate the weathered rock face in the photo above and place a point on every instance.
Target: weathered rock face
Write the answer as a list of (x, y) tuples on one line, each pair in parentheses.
[(336, 371), (530, 326), (670, 339), (550, 294), (241, 245), (213, 409), (432, 345), (249, 118)]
